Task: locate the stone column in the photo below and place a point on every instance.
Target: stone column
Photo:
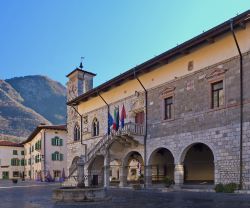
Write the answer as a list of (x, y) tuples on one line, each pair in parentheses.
[(87, 177), (123, 176), (80, 171), (106, 170), (178, 175), (148, 176)]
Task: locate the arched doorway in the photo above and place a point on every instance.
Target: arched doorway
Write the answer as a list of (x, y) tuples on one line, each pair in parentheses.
[(133, 167), (198, 164), (96, 171), (114, 170), (161, 163)]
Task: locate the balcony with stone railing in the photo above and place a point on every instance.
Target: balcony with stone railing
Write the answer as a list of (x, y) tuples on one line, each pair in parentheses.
[(131, 130)]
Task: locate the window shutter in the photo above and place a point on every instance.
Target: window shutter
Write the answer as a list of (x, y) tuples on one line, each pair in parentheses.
[(61, 157), (61, 142), (52, 156)]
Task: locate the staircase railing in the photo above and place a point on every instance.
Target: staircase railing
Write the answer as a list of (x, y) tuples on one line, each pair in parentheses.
[(72, 169), (97, 147), (128, 129)]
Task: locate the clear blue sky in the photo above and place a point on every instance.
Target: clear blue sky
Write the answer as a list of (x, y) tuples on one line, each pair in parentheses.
[(48, 37)]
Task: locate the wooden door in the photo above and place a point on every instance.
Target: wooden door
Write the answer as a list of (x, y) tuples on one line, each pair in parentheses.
[(139, 117)]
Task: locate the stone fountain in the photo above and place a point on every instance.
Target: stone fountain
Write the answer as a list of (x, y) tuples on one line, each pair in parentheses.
[(79, 193)]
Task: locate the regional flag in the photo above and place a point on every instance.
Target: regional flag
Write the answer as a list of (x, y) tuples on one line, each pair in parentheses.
[(114, 121), (123, 116)]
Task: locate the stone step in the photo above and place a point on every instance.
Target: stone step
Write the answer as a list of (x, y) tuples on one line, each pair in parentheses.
[(197, 186)]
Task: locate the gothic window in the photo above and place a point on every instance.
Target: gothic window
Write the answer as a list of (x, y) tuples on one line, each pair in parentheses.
[(76, 133), (95, 127)]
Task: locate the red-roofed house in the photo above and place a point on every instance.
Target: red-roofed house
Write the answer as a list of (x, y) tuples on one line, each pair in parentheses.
[(11, 160)]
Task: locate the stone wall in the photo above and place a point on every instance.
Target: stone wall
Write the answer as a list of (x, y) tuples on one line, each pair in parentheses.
[(195, 122)]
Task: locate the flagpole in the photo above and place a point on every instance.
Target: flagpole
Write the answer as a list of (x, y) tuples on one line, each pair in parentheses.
[(107, 107)]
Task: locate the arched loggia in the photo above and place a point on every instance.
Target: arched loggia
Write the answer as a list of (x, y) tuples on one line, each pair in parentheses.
[(161, 164), (198, 164)]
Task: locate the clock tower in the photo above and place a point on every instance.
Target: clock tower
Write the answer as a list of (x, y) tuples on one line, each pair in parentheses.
[(80, 82)]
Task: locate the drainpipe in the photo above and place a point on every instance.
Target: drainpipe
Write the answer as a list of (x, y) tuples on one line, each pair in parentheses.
[(30, 161), (85, 145), (146, 125), (241, 101), (108, 108), (44, 152)]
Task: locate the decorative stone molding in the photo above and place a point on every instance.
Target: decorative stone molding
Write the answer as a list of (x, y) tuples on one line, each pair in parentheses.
[(218, 72), (137, 104), (167, 91)]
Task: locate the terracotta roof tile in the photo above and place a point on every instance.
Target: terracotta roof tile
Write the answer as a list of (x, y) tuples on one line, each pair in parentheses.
[(10, 144)]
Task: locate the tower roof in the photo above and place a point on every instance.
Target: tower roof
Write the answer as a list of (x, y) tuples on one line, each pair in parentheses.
[(81, 70)]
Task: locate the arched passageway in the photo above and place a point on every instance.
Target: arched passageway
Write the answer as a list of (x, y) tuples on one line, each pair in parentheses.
[(115, 166), (161, 163), (198, 164), (133, 167), (96, 171)]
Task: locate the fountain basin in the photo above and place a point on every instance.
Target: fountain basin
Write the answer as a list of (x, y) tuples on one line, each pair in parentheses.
[(87, 194)]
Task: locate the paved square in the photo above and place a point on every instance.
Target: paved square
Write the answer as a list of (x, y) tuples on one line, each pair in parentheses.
[(38, 195)]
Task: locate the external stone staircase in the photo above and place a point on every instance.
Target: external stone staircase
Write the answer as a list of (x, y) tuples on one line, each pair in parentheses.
[(123, 136)]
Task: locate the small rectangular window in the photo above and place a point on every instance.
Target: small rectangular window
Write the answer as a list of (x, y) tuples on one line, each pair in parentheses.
[(217, 94), (168, 104), (15, 174), (14, 152)]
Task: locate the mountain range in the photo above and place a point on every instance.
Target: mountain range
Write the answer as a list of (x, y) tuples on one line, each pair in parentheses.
[(28, 101)]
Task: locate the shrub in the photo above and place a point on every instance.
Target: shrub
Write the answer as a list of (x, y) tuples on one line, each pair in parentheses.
[(230, 187), (168, 181), (226, 188), (219, 188)]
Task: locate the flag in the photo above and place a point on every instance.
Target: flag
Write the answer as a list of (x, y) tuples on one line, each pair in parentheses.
[(123, 116), (117, 118), (114, 121), (110, 122)]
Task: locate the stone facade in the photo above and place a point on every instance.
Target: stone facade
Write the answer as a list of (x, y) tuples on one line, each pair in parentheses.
[(195, 122), (210, 136)]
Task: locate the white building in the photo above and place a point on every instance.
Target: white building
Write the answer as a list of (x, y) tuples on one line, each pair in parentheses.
[(45, 153), (11, 160)]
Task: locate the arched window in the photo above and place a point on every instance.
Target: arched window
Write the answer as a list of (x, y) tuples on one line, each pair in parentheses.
[(95, 127), (76, 133)]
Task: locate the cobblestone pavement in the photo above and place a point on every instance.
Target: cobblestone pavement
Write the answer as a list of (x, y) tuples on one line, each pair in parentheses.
[(39, 196)]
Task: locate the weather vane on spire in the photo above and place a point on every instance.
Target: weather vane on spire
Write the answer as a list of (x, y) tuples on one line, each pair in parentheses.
[(81, 65)]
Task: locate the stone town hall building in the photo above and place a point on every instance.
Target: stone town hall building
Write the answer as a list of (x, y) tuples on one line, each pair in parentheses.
[(187, 115)]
